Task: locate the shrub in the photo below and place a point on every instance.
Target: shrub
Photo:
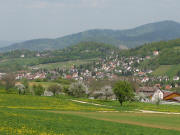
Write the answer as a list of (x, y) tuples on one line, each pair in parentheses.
[(38, 90)]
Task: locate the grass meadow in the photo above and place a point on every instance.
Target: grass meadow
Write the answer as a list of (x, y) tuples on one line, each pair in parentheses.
[(33, 115), (66, 65), (170, 70)]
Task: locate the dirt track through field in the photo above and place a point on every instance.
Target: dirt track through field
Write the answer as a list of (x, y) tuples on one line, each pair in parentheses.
[(90, 115)]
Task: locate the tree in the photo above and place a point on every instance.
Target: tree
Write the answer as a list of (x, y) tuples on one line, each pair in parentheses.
[(26, 85), (21, 88), (38, 90), (55, 89), (123, 91), (107, 92), (9, 81), (78, 89)]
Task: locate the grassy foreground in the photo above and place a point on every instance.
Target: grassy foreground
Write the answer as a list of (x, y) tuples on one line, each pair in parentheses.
[(30, 115)]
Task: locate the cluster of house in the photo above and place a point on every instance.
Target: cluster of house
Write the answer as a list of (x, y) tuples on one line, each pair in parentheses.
[(23, 55), (110, 67), (152, 94), (105, 68), (30, 76)]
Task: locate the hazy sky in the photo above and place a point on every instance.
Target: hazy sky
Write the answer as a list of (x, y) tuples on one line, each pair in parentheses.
[(28, 19)]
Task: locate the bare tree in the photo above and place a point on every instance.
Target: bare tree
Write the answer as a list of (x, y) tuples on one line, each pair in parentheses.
[(78, 89), (55, 89), (9, 81), (107, 92)]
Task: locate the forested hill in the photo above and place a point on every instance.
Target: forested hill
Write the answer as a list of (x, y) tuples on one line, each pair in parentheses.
[(165, 30), (22, 59), (169, 53)]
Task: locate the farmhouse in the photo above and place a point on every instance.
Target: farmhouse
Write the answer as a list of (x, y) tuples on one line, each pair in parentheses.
[(151, 94), (147, 91)]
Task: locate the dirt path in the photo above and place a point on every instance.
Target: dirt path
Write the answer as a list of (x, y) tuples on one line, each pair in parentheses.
[(90, 115), (140, 111), (83, 102), (146, 111)]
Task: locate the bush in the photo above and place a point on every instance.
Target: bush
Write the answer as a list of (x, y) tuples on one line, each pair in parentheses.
[(38, 90)]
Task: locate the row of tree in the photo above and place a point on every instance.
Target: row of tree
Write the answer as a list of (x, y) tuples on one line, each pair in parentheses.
[(123, 90)]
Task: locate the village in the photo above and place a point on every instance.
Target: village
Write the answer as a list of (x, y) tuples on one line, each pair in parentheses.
[(113, 67)]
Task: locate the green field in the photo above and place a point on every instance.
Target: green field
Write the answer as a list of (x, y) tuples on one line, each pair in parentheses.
[(66, 65), (33, 115), (169, 70), (44, 84)]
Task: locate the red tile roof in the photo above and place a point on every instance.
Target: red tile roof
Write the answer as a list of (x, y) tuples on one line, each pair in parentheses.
[(165, 94)]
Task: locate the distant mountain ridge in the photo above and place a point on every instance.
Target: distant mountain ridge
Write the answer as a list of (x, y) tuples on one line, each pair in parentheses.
[(165, 30), (5, 43)]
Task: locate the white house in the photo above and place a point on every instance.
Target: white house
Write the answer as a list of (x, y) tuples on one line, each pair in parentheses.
[(176, 78), (158, 95), (156, 53), (145, 79), (22, 56)]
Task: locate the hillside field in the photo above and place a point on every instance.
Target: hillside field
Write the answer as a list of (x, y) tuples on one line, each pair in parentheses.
[(33, 115), (169, 70), (65, 65)]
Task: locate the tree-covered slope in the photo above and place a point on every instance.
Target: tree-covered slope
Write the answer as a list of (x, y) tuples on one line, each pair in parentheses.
[(12, 61), (169, 55), (165, 30)]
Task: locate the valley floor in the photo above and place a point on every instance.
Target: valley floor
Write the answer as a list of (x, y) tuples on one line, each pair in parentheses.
[(31, 115)]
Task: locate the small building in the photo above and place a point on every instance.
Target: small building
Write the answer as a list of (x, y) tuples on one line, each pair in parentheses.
[(145, 79), (155, 53), (22, 56), (38, 55), (141, 73), (158, 95), (68, 77), (150, 94), (168, 87), (147, 91), (148, 57), (176, 78)]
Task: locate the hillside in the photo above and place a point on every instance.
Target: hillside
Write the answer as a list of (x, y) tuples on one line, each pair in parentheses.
[(12, 61), (166, 63), (165, 30), (169, 52)]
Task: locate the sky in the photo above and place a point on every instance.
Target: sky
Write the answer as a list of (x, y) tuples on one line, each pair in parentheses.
[(31, 19)]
